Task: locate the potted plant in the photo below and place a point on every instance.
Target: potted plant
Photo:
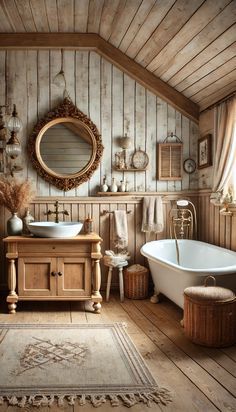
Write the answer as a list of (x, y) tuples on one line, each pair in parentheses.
[(15, 196)]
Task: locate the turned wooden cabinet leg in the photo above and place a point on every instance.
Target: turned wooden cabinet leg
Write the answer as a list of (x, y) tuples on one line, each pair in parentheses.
[(96, 285), (97, 307), (12, 297), (97, 278)]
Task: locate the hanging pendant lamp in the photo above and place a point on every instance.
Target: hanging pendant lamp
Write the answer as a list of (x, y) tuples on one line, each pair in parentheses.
[(60, 79)]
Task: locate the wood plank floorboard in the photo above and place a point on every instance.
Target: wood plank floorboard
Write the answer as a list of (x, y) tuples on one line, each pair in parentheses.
[(200, 379), (176, 334)]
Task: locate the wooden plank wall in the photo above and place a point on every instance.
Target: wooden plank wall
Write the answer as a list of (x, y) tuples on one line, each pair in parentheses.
[(79, 208), (212, 227), (117, 105), (114, 101)]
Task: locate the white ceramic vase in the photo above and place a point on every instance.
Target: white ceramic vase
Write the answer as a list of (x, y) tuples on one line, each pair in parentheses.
[(14, 225), (114, 186), (122, 186)]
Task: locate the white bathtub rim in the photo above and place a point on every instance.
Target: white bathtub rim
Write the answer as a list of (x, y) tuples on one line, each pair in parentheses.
[(202, 271)]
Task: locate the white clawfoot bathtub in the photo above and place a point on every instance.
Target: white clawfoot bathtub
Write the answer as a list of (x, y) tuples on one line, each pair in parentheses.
[(197, 260)]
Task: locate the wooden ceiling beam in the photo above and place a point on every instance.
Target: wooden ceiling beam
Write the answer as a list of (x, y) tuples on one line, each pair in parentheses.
[(94, 42)]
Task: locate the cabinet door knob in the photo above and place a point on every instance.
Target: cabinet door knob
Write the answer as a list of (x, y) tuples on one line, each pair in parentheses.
[(59, 274), (53, 273)]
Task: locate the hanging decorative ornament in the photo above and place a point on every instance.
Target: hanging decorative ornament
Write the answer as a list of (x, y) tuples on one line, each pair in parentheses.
[(60, 78)]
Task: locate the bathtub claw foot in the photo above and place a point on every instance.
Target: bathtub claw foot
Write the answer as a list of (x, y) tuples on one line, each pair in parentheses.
[(182, 323), (154, 299)]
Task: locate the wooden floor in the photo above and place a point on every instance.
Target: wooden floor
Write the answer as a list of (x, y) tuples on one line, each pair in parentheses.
[(200, 379)]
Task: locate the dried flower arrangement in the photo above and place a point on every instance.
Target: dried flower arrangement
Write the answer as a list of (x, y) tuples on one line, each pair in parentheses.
[(15, 195)]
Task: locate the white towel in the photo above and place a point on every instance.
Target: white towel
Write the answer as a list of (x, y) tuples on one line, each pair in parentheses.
[(152, 214), (120, 229)]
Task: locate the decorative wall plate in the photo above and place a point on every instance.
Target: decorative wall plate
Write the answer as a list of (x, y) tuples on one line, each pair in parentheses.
[(140, 159), (189, 165)]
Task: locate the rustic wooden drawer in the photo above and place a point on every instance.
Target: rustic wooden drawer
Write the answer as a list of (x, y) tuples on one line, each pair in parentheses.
[(49, 248)]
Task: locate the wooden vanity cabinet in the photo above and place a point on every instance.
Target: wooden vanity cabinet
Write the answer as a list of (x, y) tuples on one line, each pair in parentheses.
[(54, 269), (54, 277)]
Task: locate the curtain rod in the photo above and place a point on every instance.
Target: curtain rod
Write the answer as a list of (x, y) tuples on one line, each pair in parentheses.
[(219, 102)]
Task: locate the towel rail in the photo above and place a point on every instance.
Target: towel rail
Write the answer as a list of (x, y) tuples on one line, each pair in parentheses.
[(105, 211)]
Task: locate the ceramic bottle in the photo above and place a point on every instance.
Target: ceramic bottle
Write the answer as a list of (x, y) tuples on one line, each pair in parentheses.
[(122, 186), (14, 225), (28, 218), (88, 225), (114, 187), (104, 187)]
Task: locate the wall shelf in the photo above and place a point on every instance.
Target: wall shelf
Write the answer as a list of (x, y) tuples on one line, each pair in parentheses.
[(115, 193), (130, 169)]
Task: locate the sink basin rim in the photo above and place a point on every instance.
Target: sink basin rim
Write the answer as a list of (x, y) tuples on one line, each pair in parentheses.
[(55, 230)]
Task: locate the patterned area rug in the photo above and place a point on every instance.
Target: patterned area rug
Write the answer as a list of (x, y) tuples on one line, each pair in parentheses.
[(43, 364)]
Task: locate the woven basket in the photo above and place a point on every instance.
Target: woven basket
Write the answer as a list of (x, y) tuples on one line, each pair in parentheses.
[(136, 282), (210, 315)]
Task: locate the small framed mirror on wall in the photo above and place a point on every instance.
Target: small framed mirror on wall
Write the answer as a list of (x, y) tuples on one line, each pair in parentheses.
[(65, 147)]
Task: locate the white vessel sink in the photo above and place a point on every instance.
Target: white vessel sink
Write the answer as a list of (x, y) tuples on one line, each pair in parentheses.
[(52, 229)]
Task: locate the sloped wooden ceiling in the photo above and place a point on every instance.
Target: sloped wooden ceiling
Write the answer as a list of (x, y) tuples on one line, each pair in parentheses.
[(188, 44)]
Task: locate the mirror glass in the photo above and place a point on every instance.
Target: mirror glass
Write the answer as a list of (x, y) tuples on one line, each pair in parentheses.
[(66, 148)]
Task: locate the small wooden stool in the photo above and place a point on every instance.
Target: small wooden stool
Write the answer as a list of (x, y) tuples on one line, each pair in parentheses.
[(121, 281)]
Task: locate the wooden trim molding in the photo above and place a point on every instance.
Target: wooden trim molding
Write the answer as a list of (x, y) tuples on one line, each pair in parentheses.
[(115, 56)]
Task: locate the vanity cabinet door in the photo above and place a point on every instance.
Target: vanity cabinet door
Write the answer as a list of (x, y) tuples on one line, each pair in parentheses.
[(74, 277), (36, 276)]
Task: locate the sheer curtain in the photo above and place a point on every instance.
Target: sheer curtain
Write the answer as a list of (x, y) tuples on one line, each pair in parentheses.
[(224, 173)]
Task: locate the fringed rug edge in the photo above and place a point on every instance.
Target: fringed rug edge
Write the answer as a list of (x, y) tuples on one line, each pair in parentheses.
[(160, 395)]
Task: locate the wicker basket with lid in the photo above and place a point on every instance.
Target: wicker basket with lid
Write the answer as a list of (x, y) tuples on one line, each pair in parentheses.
[(210, 315), (136, 282)]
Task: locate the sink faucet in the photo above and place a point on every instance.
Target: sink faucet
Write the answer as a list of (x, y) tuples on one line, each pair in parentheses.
[(56, 212)]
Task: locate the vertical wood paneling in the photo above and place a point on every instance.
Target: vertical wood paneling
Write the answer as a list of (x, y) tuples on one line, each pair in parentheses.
[(117, 105), (193, 138), (94, 109), (171, 124), (129, 125), (56, 95), (233, 232), (178, 132), (223, 232), (117, 118), (2, 76), (106, 115), (151, 138), (113, 100), (162, 118), (186, 150), (32, 92), (82, 98), (69, 67), (214, 227), (140, 131), (43, 104)]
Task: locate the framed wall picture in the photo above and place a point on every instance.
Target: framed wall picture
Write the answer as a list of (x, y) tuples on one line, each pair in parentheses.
[(204, 151)]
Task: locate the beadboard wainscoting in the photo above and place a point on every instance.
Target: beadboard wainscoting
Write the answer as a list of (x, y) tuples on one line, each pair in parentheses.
[(212, 227), (115, 102)]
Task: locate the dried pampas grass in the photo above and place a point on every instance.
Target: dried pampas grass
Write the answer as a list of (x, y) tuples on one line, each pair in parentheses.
[(15, 195)]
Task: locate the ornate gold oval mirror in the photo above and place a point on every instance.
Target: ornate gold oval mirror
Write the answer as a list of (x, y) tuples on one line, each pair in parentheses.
[(65, 146)]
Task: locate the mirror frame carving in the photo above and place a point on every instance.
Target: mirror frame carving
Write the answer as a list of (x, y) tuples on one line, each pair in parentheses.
[(66, 111)]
